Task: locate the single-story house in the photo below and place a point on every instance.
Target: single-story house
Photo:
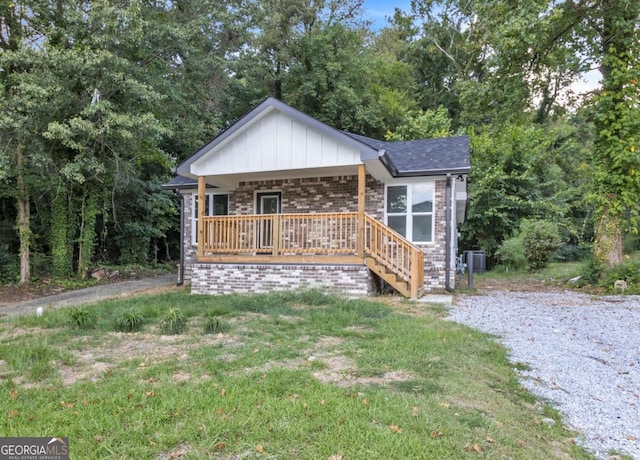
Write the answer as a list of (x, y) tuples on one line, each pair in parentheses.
[(280, 200)]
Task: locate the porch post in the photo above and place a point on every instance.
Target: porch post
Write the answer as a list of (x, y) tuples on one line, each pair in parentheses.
[(202, 185), (275, 234), (415, 273), (362, 180)]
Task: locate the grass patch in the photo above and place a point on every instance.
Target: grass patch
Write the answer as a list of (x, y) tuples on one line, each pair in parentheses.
[(556, 272), (295, 375), (215, 325), (173, 321), (128, 321), (81, 317), (34, 358)]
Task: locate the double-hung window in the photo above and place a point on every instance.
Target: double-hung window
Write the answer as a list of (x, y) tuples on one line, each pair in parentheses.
[(216, 204), (409, 210)]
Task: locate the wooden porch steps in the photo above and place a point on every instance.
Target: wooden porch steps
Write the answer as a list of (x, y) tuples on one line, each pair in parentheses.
[(403, 286)]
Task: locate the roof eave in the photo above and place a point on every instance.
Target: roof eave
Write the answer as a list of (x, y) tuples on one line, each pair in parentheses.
[(433, 172), (178, 187), (386, 161)]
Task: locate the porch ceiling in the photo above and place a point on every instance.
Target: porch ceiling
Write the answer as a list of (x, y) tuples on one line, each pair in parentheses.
[(231, 181)]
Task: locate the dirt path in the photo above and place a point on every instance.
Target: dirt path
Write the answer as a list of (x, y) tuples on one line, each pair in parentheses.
[(92, 294)]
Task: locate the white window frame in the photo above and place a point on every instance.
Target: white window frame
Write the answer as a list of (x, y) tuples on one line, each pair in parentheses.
[(258, 193), (409, 214), (194, 216)]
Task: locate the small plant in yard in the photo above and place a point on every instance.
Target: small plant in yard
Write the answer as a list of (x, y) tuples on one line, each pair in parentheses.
[(173, 321), (81, 317), (214, 325), (128, 321), (531, 247)]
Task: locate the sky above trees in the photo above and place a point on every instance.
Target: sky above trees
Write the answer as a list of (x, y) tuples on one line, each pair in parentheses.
[(379, 10)]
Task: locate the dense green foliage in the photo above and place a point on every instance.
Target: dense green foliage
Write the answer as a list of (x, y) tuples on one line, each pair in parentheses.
[(99, 100)]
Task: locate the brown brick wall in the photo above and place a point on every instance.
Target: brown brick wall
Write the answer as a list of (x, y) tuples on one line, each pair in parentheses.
[(317, 194), (435, 252), (328, 194), (349, 280)]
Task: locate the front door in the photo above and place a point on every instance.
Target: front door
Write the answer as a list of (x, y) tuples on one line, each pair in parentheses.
[(267, 203)]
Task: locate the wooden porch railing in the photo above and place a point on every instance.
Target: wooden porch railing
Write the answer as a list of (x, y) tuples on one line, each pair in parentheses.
[(282, 234), (386, 252)]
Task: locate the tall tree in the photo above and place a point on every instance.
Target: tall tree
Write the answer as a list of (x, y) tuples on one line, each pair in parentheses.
[(531, 56), (332, 79), (617, 121), (23, 111), (278, 29)]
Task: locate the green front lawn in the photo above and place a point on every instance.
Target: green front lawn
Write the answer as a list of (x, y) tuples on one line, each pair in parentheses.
[(304, 376)]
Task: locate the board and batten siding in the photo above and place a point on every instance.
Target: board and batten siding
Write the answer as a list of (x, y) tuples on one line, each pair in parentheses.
[(276, 142)]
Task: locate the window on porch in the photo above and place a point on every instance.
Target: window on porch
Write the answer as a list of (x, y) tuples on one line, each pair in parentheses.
[(216, 204), (409, 211)]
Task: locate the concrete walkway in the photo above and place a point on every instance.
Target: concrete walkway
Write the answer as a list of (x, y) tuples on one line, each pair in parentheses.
[(444, 299), (90, 295)]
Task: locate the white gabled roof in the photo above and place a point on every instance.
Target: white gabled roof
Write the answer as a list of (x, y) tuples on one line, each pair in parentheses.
[(275, 139)]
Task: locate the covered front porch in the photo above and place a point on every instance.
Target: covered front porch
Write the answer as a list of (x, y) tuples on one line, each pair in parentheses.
[(318, 238)]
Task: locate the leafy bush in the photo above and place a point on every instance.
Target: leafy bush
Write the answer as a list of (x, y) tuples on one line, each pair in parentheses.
[(573, 252), (81, 317), (627, 272), (541, 239), (128, 321), (173, 321), (595, 274), (511, 253), (591, 273), (532, 247), (41, 265)]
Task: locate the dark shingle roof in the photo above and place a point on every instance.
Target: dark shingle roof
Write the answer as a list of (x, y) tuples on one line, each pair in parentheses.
[(425, 156), (182, 182)]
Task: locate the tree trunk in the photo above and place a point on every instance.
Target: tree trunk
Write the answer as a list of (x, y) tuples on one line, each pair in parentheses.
[(24, 216), (607, 248), (61, 251), (277, 82), (87, 237)]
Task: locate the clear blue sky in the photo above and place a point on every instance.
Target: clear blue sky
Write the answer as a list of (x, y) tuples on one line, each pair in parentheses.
[(376, 10)]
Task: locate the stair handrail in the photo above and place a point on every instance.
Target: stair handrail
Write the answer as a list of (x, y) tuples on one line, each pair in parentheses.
[(394, 251)]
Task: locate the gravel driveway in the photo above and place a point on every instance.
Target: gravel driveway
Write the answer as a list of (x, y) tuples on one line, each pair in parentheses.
[(583, 354)]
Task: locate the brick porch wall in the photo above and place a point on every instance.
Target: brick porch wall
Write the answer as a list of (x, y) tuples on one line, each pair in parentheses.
[(190, 250), (316, 194), (349, 280), (326, 194)]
